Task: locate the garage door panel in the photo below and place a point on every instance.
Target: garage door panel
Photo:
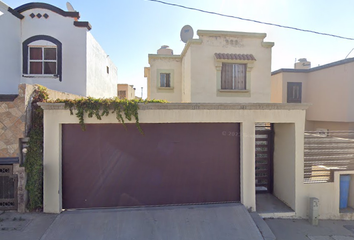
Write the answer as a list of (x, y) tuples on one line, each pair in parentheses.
[(170, 164)]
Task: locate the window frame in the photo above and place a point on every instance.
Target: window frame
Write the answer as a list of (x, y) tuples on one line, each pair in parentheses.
[(290, 99), (165, 80), (25, 56), (233, 92), (158, 79), (234, 74), (42, 60)]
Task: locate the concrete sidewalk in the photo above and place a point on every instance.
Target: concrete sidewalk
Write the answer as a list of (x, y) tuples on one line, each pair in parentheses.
[(24, 226), (202, 222), (288, 229)]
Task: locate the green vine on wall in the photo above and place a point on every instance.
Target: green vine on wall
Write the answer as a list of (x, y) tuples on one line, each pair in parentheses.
[(34, 157), (122, 108)]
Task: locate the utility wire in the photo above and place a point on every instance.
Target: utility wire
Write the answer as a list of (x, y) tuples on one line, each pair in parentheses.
[(251, 20)]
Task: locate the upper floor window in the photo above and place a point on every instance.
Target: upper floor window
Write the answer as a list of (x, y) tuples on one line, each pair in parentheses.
[(294, 92), (42, 57), (42, 60), (165, 80), (233, 76)]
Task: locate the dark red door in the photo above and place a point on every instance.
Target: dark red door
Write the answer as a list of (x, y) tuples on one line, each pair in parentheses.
[(177, 163)]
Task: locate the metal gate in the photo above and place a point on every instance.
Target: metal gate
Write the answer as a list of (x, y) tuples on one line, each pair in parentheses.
[(325, 152), (264, 159), (8, 188)]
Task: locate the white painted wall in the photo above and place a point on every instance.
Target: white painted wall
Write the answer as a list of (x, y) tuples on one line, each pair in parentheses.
[(99, 82), (10, 51), (73, 41), (84, 63)]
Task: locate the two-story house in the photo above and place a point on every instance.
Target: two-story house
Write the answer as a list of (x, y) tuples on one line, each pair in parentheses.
[(328, 88), (43, 44), (220, 66)]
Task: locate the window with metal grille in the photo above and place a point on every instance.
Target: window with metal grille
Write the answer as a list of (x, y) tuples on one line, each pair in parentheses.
[(165, 80), (294, 92), (233, 76), (42, 60)]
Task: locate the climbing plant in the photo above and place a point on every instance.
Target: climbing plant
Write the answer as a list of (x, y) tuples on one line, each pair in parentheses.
[(122, 108), (34, 157)]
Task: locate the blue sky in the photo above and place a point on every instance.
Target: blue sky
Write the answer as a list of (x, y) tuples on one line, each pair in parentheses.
[(128, 30)]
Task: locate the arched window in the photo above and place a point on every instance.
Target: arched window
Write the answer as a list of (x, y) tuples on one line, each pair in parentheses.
[(42, 57)]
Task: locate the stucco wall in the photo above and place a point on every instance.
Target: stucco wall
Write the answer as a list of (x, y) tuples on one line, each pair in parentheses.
[(276, 92), (204, 83), (195, 69), (247, 114), (293, 77), (73, 41), (332, 126), (284, 163), (164, 63), (99, 82), (10, 51), (330, 92), (186, 76), (328, 195)]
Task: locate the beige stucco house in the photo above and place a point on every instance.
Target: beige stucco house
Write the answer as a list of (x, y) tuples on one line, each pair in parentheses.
[(203, 147), (125, 91), (328, 88), (219, 66)]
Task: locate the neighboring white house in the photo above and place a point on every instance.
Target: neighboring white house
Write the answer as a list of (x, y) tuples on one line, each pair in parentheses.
[(48, 46), (220, 66)]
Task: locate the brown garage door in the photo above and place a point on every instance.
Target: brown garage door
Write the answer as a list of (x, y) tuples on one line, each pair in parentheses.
[(108, 166)]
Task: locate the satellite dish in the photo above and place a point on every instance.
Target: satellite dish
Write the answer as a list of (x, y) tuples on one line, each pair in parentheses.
[(70, 7), (186, 33)]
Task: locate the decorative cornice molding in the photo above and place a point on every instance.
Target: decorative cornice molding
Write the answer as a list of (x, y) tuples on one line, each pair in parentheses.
[(268, 44), (231, 34), (201, 106), (55, 9), (328, 65), (83, 24), (162, 56), (16, 14)]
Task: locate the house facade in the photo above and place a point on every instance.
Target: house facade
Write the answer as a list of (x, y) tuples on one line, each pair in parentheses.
[(46, 45), (198, 149), (328, 88), (125, 91), (219, 66)]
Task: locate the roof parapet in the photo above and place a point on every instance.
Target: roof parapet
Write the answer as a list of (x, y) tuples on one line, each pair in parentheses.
[(231, 34)]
